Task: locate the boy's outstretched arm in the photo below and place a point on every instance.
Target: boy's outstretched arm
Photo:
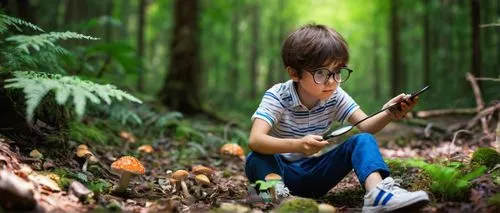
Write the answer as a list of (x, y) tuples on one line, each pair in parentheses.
[(263, 143), (378, 122)]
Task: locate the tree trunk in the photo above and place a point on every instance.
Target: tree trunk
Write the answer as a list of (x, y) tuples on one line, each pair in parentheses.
[(235, 32), (397, 77), (108, 32), (476, 45), (180, 90), (140, 44), (254, 51), (427, 50)]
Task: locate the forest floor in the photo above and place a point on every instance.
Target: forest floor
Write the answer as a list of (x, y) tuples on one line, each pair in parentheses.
[(53, 183)]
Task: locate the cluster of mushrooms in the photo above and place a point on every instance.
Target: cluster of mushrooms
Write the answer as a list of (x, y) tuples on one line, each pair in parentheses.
[(128, 166)]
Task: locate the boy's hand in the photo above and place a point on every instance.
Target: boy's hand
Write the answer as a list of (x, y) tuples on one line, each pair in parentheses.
[(311, 144), (406, 105)]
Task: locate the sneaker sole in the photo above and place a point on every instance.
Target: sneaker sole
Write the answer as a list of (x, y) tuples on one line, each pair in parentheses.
[(414, 206)]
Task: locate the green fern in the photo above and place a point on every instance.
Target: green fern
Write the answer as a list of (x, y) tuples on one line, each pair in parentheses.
[(6, 21), (24, 42), (36, 85)]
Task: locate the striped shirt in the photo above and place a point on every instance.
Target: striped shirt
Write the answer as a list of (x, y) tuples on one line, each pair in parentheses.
[(289, 118)]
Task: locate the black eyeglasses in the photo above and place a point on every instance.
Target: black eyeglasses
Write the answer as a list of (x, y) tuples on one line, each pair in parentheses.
[(321, 75)]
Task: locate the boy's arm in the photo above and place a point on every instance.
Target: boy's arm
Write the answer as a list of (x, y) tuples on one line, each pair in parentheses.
[(263, 143), (378, 122)]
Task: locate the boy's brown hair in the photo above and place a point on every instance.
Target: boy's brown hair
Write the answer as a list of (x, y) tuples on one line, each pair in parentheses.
[(313, 46)]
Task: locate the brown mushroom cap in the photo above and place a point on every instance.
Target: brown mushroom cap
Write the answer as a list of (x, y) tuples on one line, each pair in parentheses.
[(200, 169), (272, 176), (82, 146), (202, 179), (127, 136), (128, 164), (83, 153), (146, 148), (180, 175), (232, 149)]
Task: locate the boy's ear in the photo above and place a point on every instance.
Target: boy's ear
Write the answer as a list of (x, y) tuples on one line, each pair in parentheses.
[(293, 73)]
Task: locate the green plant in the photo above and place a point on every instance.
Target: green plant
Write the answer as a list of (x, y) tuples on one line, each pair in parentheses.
[(486, 156), (448, 182), (39, 56)]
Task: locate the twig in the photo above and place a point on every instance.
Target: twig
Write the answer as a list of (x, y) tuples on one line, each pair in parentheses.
[(482, 114), (430, 113), (489, 25), (479, 100), (454, 138), (488, 79)]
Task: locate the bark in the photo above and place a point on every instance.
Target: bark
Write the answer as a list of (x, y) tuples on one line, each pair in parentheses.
[(397, 80), (180, 90)]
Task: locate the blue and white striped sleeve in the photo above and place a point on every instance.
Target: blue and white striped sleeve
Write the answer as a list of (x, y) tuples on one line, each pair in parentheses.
[(270, 108), (345, 106)]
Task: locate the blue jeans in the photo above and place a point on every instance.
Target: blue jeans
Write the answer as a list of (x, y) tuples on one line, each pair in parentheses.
[(314, 177)]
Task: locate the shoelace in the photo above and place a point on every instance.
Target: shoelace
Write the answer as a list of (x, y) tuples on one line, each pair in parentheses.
[(281, 190), (393, 186)]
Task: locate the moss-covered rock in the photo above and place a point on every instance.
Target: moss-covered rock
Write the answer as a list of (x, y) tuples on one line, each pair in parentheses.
[(303, 205), (486, 156), (494, 200)]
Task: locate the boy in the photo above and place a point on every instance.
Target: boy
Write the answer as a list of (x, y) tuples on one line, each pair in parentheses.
[(289, 122)]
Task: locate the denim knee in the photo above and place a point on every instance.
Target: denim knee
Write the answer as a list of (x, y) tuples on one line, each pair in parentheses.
[(258, 165)]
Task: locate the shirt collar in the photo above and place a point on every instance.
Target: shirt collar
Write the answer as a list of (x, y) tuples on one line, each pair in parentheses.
[(295, 97)]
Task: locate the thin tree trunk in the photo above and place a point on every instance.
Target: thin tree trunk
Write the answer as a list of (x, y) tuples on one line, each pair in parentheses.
[(108, 33), (397, 77), (254, 51), (427, 49), (181, 86), (235, 32), (140, 44), (476, 44)]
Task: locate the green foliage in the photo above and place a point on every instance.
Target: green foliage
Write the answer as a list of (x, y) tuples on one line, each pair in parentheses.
[(36, 85), (448, 182), (6, 21), (24, 42), (486, 156), (265, 185), (494, 200), (99, 186), (302, 205), (82, 133)]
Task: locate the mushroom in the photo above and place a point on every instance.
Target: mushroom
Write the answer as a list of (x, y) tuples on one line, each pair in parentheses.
[(233, 150), (202, 180), (128, 137), (145, 148), (273, 177), (89, 157), (36, 154), (200, 169), (180, 176), (127, 166)]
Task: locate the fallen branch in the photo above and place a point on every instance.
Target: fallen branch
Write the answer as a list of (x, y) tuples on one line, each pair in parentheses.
[(479, 100), (424, 124), (438, 112), (483, 113), (454, 138)]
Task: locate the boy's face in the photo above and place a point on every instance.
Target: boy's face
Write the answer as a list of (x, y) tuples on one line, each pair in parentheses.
[(309, 89)]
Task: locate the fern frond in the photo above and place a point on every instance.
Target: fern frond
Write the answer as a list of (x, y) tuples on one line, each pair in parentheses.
[(6, 21), (36, 85), (14, 59), (24, 42)]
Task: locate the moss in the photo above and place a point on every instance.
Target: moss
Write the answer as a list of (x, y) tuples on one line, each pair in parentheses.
[(99, 186), (298, 205), (486, 156), (494, 200), (64, 177), (81, 132)]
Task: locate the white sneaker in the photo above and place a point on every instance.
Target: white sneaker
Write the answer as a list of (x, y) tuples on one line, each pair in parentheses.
[(388, 196)]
